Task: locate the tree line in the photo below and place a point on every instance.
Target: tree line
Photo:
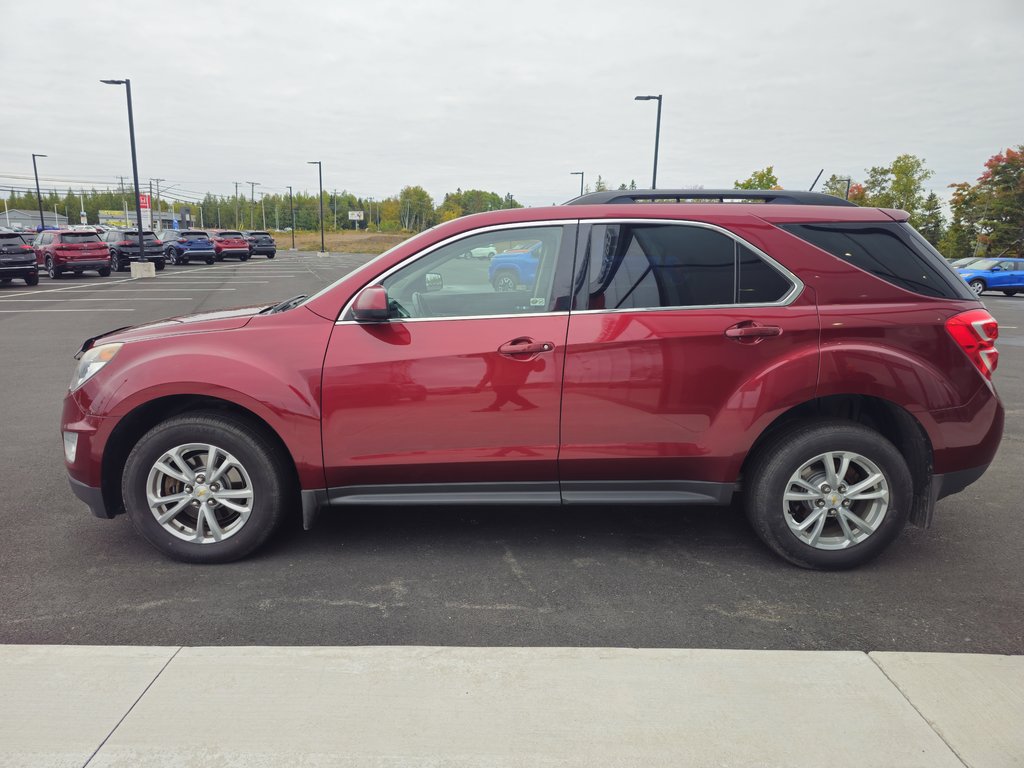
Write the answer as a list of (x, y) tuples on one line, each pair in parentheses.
[(411, 210)]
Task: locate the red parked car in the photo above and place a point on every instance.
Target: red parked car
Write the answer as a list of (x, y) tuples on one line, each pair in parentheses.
[(64, 250), (230, 243), (819, 359)]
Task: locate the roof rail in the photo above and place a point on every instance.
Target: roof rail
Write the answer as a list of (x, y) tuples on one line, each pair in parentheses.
[(780, 196)]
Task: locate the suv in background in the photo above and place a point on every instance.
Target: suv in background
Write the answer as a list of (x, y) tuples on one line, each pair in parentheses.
[(1006, 275), (230, 243), (124, 248), (62, 250), (819, 360), (260, 243), (516, 266), (182, 246), (17, 259)]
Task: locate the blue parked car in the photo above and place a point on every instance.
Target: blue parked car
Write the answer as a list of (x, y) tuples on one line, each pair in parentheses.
[(182, 246), (515, 267), (1006, 275)]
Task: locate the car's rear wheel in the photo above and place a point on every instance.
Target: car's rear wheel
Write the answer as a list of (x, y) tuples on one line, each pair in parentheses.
[(52, 269), (271, 255), (32, 279), (206, 487), (104, 271), (159, 264), (1010, 293), (244, 257), (210, 260), (828, 495), (505, 281), (978, 286)]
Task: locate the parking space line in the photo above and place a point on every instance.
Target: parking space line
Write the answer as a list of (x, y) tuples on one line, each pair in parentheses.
[(158, 290), (147, 298), (72, 287), (28, 311)]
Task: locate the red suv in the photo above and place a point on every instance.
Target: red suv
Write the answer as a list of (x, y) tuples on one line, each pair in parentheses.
[(230, 243), (60, 251), (819, 359)]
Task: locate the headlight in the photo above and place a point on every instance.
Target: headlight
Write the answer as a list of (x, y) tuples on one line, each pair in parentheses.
[(91, 362)]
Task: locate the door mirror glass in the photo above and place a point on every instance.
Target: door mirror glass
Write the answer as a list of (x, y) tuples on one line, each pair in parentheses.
[(371, 305), (434, 281)]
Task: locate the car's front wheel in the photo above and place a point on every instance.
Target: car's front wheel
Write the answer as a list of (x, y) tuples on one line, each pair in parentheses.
[(828, 495), (978, 286), (206, 487), (505, 281)]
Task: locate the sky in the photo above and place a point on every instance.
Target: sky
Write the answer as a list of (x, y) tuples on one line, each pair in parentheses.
[(507, 97)]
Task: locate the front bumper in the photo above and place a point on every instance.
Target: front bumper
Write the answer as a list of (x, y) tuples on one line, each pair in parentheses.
[(93, 498)]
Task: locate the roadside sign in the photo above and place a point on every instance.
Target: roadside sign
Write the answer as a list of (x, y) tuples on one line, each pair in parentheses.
[(355, 215), (144, 201), (82, 218)]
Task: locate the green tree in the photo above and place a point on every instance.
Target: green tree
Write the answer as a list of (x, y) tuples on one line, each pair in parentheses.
[(898, 185), (600, 185), (763, 179), (961, 237), (837, 186), (930, 222)]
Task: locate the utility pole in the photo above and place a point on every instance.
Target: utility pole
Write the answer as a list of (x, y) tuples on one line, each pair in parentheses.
[(236, 204), (252, 204), (39, 194), (291, 208), (263, 208), (158, 212), (334, 197), (150, 214)]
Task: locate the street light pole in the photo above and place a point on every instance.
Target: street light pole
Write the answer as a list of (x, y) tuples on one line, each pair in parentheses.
[(135, 163), (320, 169), (39, 194), (580, 174), (252, 203), (657, 136), (291, 209)]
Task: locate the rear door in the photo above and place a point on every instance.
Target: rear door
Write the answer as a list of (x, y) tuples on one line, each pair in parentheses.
[(669, 360), (457, 395)]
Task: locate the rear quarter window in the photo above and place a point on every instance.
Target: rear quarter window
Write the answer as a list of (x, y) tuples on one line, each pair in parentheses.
[(892, 251)]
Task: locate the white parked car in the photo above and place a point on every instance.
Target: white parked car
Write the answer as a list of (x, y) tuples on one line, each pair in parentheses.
[(483, 252)]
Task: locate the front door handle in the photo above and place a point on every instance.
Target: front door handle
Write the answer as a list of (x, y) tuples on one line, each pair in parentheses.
[(751, 331), (525, 346)]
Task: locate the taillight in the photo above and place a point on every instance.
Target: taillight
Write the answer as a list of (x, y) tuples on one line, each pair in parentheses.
[(26, 247), (976, 332), (127, 242), (182, 240)]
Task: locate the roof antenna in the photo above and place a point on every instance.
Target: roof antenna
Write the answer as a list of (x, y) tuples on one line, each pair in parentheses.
[(816, 180)]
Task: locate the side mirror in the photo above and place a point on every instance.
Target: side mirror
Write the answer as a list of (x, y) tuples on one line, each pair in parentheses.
[(433, 282), (997, 269), (371, 305)]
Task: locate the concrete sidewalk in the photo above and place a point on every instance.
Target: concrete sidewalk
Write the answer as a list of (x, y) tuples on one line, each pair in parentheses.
[(445, 706)]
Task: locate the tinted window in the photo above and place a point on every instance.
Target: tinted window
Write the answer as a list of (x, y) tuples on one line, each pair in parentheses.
[(11, 237), (260, 234), (80, 237), (642, 266), (194, 235), (888, 251), (46, 239), (230, 234), (757, 281)]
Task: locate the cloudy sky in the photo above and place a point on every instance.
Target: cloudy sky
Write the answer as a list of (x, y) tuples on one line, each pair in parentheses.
[(508, 97)]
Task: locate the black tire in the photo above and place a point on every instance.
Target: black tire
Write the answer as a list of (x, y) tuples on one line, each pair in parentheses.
[(505, 281), (32, 279), (172, 256), (244, 258), (771, 469), (159, 264), (271, 255), (265, 463), (1010, 293), (978, 286), (210, 261), (52, 269), (122, 263), (104, 271)]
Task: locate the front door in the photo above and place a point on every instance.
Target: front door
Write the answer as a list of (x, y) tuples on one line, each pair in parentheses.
[(456, 397)]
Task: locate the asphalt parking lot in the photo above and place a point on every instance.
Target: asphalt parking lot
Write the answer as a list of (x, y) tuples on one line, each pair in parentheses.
[(625, 577)]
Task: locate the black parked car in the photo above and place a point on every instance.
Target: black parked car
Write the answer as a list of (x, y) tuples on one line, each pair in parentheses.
[(17, 259), (260, 243), (124, 248)]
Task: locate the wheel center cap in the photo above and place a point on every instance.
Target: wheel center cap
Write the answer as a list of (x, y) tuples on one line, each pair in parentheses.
[(200, 491), (834, 499)]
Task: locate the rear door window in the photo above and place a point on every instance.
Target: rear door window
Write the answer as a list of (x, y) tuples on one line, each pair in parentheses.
[(80, 237), (650, 266)]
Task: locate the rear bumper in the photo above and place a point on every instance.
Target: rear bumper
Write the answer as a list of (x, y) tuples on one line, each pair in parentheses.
[(264, 250), (197, 253), (953, 482), (18, 269), (82, 264)]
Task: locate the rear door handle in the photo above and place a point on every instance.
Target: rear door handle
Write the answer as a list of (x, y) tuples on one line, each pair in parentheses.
[(752, 331), (525, 346)]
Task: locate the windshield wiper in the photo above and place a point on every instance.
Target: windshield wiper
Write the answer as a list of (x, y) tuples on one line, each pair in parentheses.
[(284, 305)]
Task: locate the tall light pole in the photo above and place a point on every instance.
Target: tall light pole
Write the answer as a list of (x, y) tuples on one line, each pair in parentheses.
[(291, 209), (39, 194), (236, 183), (657, 136), (320, 168), (580, 174), (252, 203), (135, 164)]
